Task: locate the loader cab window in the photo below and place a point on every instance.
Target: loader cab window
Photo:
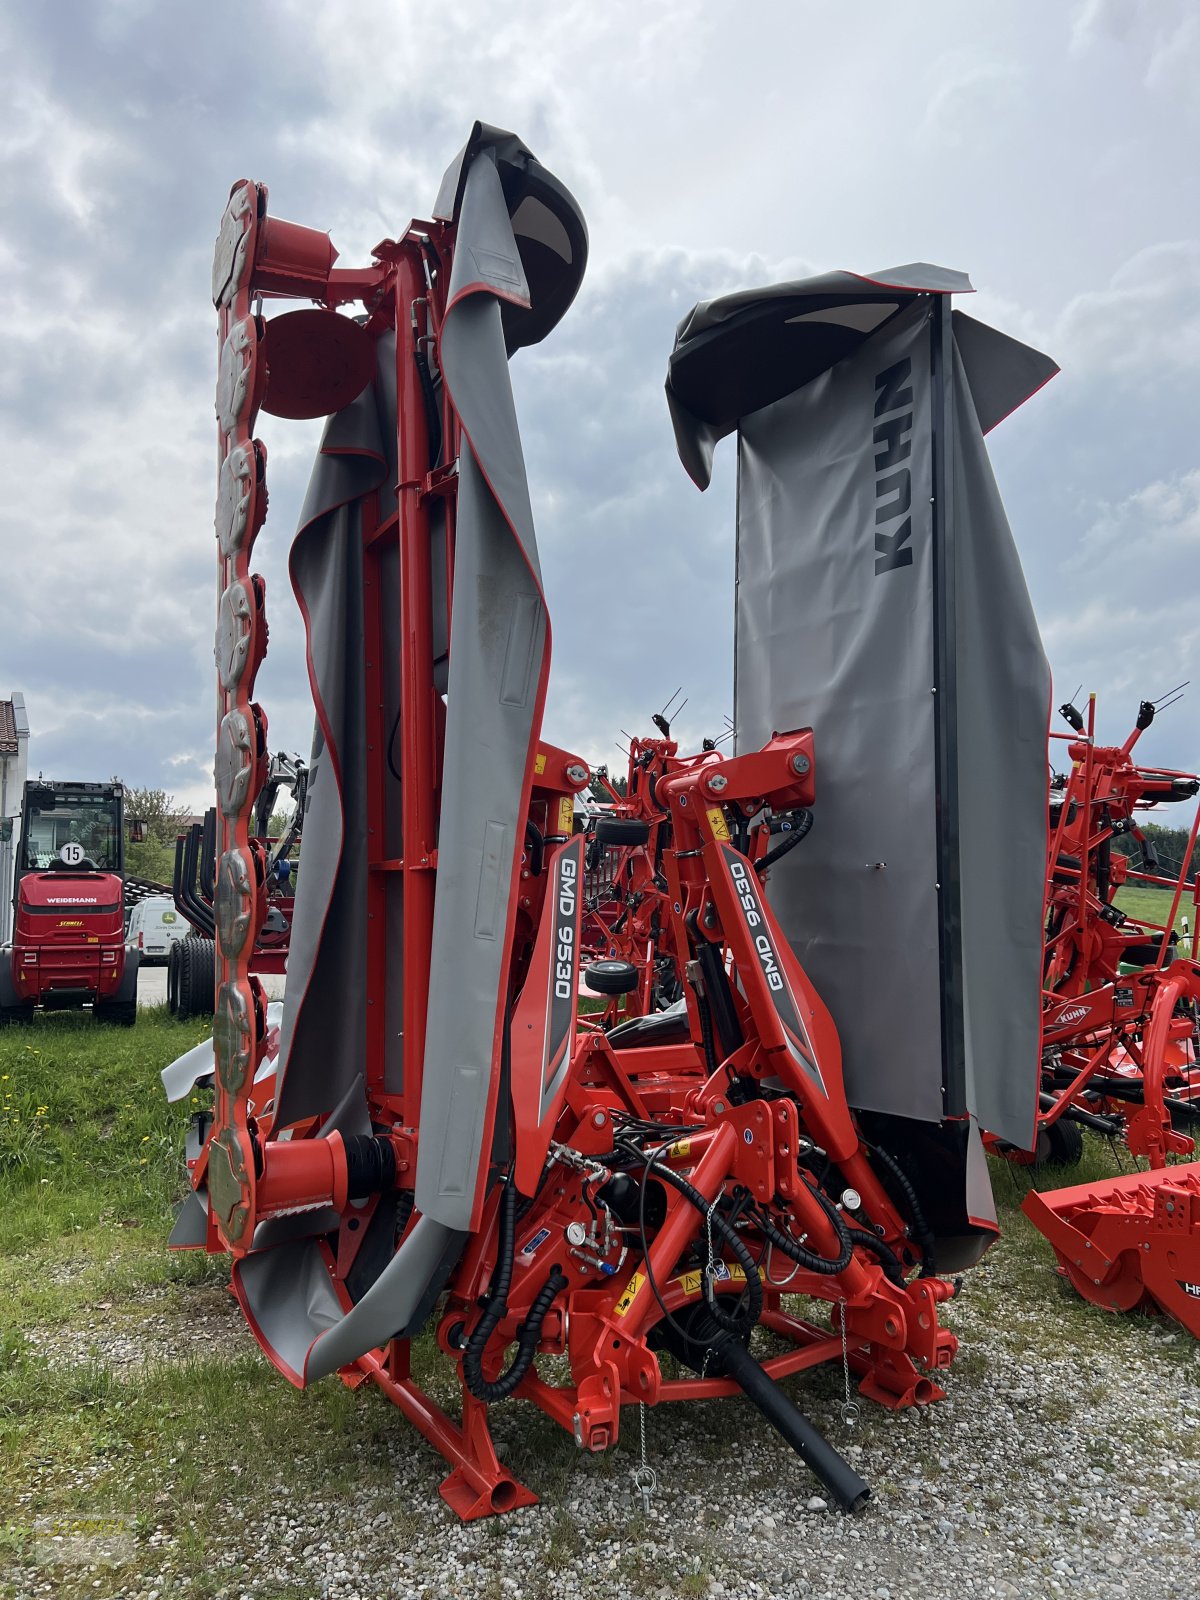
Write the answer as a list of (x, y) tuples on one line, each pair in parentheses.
[(61, 828)]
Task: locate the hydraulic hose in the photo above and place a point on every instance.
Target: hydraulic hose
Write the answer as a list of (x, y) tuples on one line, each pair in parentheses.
[(754, 1289), (789, 842), (893, 1267), (828, 1266), (849, 1490), (497, 1306), (535, 843), (922, 1236), (528, 1337), (706, 1033)]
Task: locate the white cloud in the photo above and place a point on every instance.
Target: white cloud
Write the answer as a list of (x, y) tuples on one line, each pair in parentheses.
[(1147, 319), (1124, 620), (1056, 179), (1161, 36)]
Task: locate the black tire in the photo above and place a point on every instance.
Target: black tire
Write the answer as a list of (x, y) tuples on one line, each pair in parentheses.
[(16, 1015), (197, 974), (1066, 1143), (621, 830), (611, 977), (173, 979), (118, 1013)]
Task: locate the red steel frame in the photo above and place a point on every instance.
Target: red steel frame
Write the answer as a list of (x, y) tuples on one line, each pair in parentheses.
[(1105, 1019), (753, 1127), (1119, 1038)]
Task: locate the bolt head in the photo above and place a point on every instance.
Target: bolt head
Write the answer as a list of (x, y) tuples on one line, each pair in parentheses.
[(717, 783), (800, 764), (577, 773)]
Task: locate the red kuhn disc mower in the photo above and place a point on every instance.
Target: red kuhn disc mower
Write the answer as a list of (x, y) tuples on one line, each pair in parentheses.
[(1119, 1034), (439, 1142)]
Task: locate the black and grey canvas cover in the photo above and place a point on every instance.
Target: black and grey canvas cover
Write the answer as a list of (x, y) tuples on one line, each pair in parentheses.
[(880, 601)]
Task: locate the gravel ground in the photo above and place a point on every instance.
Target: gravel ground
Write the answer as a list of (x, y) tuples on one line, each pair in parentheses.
[(1047, 1472), (156, 1324)]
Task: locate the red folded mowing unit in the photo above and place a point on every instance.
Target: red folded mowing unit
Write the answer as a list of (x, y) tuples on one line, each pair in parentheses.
[(442, 1145)]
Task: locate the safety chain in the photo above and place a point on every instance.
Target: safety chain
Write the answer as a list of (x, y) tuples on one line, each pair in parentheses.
[(710, 1264), (645, 1479), (850, 1407)]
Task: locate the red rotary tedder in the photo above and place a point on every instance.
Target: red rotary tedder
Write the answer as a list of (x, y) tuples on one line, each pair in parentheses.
[(610, 1190), (1119, 1033)]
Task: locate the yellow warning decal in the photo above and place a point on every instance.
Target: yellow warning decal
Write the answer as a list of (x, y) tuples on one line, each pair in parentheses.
[(716, 821), (630, 1294), (680, 1149), (566, 814), (690, 1282), (539, 764)]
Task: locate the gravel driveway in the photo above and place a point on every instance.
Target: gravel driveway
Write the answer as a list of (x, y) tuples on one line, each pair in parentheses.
[(1063, 1463)]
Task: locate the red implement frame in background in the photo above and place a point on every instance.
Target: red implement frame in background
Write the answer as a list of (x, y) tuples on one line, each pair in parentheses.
[(1120, 1032)]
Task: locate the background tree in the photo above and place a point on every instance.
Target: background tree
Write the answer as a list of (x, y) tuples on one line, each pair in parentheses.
[(165, 818), (1170, 844)]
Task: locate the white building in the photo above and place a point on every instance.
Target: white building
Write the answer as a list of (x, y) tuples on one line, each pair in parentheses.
[(14, 742)]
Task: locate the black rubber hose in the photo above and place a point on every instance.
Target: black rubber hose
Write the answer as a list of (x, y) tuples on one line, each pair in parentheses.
[(433, 415), (827, 1266), (922, 1236), (893, 1267), (788, 842), (536, 844), (497, 1306), (528, 1338), (754, 1289), (706, 1033), (849, 1490)]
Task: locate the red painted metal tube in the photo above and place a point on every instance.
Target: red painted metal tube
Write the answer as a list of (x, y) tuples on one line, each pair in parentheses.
[(682, 1224), (416, 676)]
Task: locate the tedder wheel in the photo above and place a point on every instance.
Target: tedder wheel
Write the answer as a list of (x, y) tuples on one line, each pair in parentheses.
[(1059, 1144), (16, 1014), (197, 970), (621, 830), (611, 977), (1066, 1144)]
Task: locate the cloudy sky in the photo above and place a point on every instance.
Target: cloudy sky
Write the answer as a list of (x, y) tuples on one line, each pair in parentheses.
[(1048, 150)]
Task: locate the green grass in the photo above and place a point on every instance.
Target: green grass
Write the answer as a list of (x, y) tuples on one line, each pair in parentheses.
[(1153, 905), (168, 1452), (86, 1135)]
